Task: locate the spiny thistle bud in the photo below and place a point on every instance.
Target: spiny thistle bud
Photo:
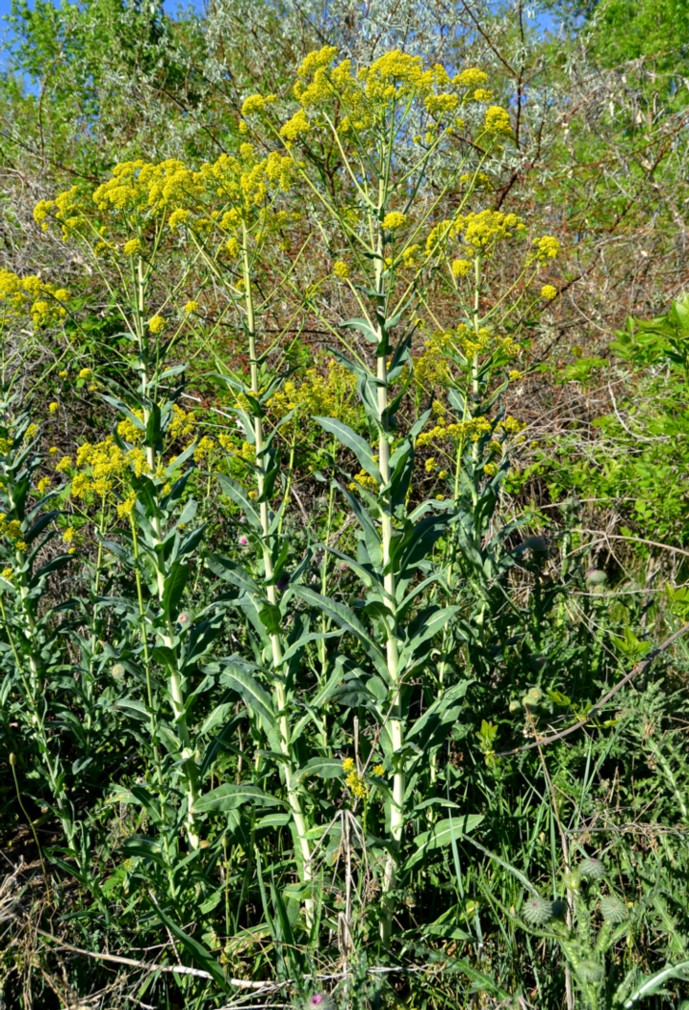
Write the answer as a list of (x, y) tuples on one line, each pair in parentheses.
[(613, 909), (592, 869), (539, 911), (319, 1001)]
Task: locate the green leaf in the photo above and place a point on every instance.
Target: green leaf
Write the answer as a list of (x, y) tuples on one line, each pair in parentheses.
[(364, 327), (173, 589), (324, 768), (652, 983), (348, 621), (237, 677), (430, 625), (349, 438), (198, 953), (441, 834), (231, 797)]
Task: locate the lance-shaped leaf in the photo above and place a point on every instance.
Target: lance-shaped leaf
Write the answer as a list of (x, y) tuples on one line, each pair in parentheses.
[(348, 437), (237, 677), (346, 619), (425, 626), (441, 834), (444, 710), (231, 797)]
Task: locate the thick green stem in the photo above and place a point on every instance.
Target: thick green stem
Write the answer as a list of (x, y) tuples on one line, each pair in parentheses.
[(395, 726), (287, 769), (166, 635)]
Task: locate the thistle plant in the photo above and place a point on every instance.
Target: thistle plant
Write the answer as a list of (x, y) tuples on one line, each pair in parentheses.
[(588, 924)]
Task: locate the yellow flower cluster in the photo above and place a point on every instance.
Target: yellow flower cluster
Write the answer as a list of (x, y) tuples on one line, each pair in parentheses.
[(497, 121), (481, 231), (459, 431), (104, 468), (442, 104), (21, 296), (548, 292), (460, 268), (394, 220), (395, 76), (363, 480), (470, 78), (545, 249), (11, 529), (138, 189), (355, 782), (254, 105), (341, 270), (323, 392)]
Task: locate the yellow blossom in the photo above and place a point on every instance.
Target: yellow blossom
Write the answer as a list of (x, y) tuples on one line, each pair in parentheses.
[(191, 306), (394, 220), (356, 786), (177, 218), (295, 127), (472, 77), (156, 324), (348, 765), (497, 120), (548, 292), (340, 269), (68, 535), (460, 268), (132, 247), (53, 407), (126, 507), (85, 373)]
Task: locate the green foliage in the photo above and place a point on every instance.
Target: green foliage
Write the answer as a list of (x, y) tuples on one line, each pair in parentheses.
[(295, 697)]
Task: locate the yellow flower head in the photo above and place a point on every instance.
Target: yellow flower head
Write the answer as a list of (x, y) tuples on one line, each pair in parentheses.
[(341, 270), (548, 292), (254, 105), (53, 407), (156, 324), (348, 765), (191, 306), (460, 268), (132, 247), (497, 120), (546, 248), (394, 220), (472, 77), (85, 373)]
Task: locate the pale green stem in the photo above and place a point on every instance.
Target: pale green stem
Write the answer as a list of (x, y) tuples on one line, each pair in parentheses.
[(395, 725), (287, 770), (177, 700)]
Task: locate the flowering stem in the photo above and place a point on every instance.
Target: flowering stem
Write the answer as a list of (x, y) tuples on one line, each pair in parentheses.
[(394, 726), (279, 693)]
